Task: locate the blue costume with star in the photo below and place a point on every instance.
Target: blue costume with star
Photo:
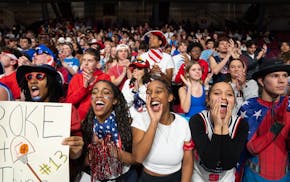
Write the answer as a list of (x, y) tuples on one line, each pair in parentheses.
[(254, 111)]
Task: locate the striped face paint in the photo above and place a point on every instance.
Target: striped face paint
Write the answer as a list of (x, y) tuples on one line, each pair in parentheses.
[(107, 97)]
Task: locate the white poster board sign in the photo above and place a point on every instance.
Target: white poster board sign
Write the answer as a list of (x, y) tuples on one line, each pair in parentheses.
[(30, 141)]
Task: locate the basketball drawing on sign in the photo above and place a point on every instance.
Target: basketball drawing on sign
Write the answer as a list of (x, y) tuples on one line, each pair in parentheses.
[(20, 148)]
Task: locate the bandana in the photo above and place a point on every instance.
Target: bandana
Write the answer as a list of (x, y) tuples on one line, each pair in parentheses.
[(108, 127)]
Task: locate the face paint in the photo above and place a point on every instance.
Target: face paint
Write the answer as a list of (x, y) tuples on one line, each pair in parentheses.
[(107, 97), (36, 99)]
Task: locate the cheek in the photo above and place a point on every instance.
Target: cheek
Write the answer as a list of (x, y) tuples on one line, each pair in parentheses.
[(107, 97), (231, 100)]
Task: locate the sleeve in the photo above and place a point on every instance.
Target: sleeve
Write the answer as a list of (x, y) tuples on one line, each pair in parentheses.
[(221, 150), (76, 64), (233, 147), (139, 120), (250, 90), (204, 66), (75, 123), (76, 91), (170, 63), (187, 132), (179, 73), (128, 95), (266, 133), (208, 150)]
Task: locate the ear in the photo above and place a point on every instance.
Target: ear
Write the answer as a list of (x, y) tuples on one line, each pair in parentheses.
[(160, 43), (260, 81), (170, 97), (115, 101), (13, 62)]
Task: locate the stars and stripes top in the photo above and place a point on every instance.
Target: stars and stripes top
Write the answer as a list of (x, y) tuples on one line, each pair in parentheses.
[(108, 127), (254, 111)]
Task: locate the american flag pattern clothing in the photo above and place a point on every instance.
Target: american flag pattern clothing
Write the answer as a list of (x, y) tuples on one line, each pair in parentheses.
[(267, 155), (139, 103), (103, 155), (108, 127)]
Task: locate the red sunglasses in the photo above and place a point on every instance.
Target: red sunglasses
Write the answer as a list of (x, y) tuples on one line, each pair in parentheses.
[(39, 76)]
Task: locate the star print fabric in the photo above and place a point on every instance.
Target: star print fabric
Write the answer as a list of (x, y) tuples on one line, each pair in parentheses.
[(108, 127), (103, 153)]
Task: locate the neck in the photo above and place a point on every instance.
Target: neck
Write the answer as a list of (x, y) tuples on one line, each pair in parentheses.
[(8, 70), (234, 80), (103, 118), (195, 82), (222, 54), (270, 97), (140, 82), (166, 118)]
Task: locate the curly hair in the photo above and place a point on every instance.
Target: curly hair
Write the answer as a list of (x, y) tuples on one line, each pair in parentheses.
[(122, 118)]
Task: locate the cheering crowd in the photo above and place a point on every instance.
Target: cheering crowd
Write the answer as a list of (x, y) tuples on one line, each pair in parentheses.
[(159, 104)]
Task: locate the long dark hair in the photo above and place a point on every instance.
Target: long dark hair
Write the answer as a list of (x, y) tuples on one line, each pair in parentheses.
[(145, 79), (122, 118)]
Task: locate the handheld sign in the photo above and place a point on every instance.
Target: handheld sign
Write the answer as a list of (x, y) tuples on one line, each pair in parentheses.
[(30, 141)]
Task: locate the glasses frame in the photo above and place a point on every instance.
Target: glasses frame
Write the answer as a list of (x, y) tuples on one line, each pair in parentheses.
[(30, 76)]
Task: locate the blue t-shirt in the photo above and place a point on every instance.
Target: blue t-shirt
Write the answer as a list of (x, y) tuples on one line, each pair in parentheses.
[(197, 105), (72, 62)]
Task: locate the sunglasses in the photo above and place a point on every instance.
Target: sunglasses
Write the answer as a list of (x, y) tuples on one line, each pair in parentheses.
[(39, 76), (40, 51)]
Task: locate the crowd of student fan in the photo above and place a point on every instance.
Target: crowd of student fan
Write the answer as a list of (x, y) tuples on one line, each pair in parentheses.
[(229, 115)]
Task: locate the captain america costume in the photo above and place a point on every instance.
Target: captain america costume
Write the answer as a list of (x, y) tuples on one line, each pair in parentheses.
[(266, 158)]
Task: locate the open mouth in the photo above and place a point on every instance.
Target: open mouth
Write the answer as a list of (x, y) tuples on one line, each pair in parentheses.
[(34, 91), (224, 107), (99, 105), (155, 105)]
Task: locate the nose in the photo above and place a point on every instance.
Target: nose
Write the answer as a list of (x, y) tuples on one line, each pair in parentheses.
[(223, 96), (282, 79), (33, 80)]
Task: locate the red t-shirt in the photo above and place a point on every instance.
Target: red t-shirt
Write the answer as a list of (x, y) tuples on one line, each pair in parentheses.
[(11, 82)]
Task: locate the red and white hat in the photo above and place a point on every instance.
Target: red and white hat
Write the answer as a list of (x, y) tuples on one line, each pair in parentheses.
[(157, 33), (139, 63)]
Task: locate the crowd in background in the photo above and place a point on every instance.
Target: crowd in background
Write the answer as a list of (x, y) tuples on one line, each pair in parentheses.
[(184, 67)]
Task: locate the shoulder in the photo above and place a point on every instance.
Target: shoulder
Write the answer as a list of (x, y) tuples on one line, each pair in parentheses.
[(180, 120), (250, 103), (251, 83), (197, 119), (182, 89), (76, 77), (102, 76), (140, 120), (166, 56)]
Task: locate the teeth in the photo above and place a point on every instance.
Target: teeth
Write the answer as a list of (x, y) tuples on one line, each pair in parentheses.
[(34, 88), (100, 103), (224, 105), (155, 103)]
